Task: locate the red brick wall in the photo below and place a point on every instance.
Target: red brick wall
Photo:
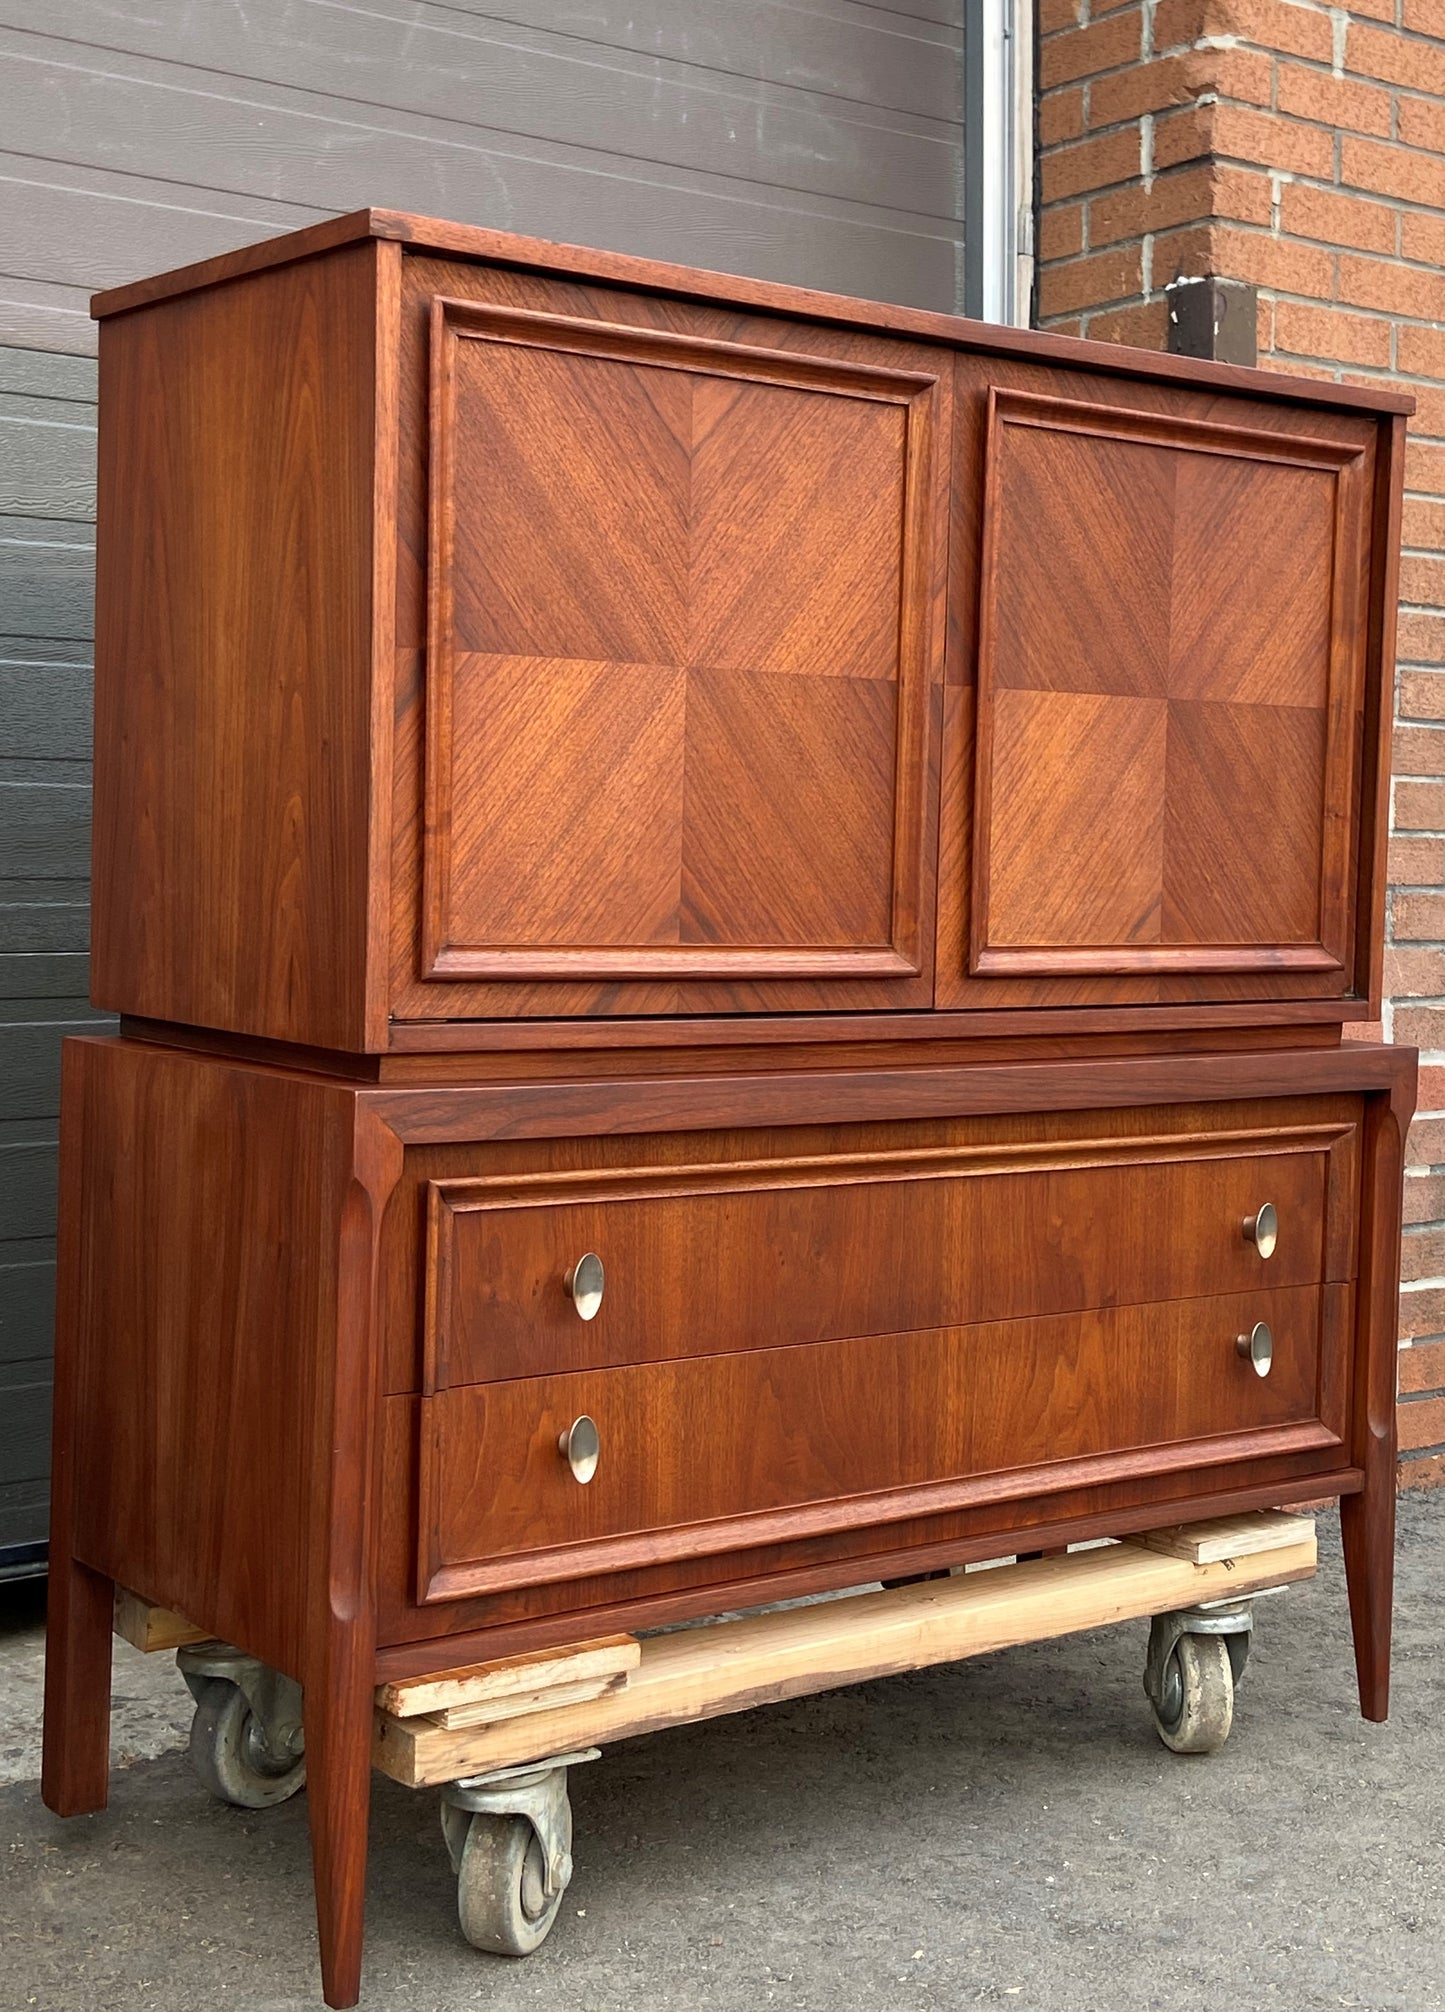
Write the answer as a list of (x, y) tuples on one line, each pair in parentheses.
[(1300, 148)]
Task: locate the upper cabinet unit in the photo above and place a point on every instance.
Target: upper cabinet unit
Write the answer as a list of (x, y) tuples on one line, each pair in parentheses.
[(488, 629)]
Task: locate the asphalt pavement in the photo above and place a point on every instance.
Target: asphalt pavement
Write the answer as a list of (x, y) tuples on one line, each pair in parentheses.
[(1003, 1832)]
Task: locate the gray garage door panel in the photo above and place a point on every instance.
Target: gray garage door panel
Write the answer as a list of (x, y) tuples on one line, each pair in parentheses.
[(817, 141), (820, 142), (47, 568), (27, 1302)]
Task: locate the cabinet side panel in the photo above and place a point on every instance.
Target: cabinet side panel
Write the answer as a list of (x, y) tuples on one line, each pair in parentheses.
[(233, 654), (208, 1210)]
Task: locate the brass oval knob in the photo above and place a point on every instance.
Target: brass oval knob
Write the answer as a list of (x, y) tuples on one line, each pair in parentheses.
[(1257, 1348), (585, 1285), (581, 1446), (1262, 1230)]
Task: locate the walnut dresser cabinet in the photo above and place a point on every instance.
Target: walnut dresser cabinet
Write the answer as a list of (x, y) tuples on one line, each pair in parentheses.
[(733, 913)]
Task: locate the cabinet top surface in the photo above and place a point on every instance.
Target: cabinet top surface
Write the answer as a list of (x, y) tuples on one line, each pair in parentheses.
[(470, 241)]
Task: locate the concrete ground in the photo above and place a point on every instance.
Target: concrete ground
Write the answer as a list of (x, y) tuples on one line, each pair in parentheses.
[(1004, 1832)]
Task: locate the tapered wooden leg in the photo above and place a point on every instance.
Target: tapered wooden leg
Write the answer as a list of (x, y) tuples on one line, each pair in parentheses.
[(340, 1680), (1368, 1519), (1367, 1523), (338, 1790), (75, 1771), (80, 1607)]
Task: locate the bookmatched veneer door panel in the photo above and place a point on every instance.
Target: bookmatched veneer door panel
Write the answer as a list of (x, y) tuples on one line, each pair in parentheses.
[(1167, 601), (681, 655), (714, 1452)]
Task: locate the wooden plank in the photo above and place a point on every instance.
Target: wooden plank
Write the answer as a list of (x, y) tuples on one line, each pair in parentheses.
[(551, 1698), (728, 1666), (149, 1628), (510, 1677), (1233, 1537)]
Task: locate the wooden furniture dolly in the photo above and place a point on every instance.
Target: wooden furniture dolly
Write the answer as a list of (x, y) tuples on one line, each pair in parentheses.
[(733, 913), (499, 1739)]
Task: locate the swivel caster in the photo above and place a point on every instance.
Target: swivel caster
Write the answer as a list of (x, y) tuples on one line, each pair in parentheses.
[(247, 1746), (1195, 1660), (509, 1838)]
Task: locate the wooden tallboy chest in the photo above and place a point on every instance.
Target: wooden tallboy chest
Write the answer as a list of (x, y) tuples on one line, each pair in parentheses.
[(775, 877)]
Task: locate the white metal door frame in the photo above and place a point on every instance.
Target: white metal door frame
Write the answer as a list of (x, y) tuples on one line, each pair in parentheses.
[(998, 160)]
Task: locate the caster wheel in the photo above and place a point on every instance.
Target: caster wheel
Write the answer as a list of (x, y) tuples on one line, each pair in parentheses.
[(230, 1753), (502, 1901), (1195, 1706)]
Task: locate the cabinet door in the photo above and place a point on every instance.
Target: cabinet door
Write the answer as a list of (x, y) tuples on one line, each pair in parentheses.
[(1168, 597), (680, 648)]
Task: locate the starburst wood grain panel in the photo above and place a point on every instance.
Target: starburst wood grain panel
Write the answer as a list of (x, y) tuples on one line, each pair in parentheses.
[(676, 690), (1168, 681)]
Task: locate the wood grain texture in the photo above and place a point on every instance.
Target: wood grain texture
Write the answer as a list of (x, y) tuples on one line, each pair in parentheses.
[(700, 1673), (149, 1628), (538, 1049), (1229, 1537), (494, 633), (234, 653), (485, 1685), (414, 1640), (681, 588), (468, 241), (799, 1249), (668, 641), (1368, 1520), (1387, 503), (1222, 864), (342, 1530), (188, 1479), (778, 1224), (429, 1115), (80, 1601), (863, 1431), (218, 1444), (1168, 694)]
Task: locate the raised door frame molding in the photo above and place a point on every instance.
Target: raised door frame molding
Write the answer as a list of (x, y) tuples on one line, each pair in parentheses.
[(1332, 949), (920, 397)]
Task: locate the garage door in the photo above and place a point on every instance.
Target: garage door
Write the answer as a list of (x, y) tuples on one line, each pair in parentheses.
[(817, 141)]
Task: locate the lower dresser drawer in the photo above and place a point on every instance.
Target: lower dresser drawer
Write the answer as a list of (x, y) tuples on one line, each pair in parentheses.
[(710, 1453)]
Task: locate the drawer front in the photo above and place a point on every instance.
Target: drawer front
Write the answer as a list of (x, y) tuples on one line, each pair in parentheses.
[(708, 1454), (714, 1260)]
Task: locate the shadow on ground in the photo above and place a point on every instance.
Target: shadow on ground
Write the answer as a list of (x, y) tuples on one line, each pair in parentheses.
[(1002, 1832)]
